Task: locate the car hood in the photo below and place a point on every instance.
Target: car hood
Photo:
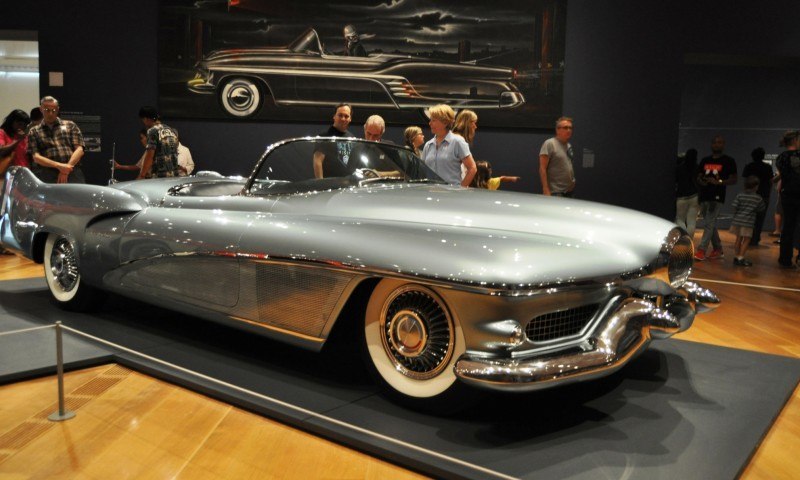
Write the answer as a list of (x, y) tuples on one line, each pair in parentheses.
[(476, 236), (259, 57), (220, 55)]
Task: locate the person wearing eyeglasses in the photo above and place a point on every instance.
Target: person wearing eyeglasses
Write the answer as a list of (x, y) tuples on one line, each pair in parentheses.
[(555, 161), (56, 146)]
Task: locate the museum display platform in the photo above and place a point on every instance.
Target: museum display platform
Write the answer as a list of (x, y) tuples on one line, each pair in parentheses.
[(681, 410)]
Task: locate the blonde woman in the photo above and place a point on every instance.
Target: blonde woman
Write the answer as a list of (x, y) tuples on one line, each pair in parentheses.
[(414, 139), (446, 151), (466, 125)]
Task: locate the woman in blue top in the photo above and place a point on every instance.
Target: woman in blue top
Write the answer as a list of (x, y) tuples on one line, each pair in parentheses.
[(446, 151)]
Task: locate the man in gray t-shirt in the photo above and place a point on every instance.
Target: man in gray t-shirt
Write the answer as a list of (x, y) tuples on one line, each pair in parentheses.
[(555, 161)]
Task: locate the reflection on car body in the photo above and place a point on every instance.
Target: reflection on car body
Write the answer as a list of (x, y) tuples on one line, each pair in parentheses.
[(445, 286)]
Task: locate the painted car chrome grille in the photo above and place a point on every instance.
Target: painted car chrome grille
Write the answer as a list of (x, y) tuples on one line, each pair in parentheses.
[(563, 323)]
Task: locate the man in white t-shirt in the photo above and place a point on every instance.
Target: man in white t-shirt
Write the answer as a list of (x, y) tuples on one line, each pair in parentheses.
[(185, 162)]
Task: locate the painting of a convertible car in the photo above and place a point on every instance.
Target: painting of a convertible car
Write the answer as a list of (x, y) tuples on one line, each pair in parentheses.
[(257, 60), (305, 73), (447, 288)]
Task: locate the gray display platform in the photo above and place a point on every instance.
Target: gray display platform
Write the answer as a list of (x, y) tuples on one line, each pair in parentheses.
[(681, 410), (25, 304)]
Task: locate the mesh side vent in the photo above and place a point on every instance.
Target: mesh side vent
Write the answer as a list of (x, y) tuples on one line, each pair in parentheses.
[(681, 260), (564, 323), (296, 298)]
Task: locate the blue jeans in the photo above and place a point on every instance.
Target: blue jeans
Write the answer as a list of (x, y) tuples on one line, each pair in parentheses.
[(710, 211)]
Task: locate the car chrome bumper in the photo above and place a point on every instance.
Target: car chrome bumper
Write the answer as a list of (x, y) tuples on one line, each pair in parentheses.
[(200, 85), (511, 99), (615, 340)]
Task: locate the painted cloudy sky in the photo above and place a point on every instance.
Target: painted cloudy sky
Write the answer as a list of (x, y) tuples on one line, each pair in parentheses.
[(409, 26)]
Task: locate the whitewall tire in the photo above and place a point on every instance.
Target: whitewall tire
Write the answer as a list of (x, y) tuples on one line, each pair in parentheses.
[(411, 340), (63, 275), (241, 97)]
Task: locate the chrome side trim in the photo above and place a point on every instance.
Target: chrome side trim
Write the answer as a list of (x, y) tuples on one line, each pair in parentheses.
[(279, 330)]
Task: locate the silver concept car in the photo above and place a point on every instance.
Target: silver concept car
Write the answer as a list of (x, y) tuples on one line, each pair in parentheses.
[(304, 73), (444, 286)]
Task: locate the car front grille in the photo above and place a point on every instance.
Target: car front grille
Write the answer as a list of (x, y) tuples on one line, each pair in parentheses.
[(560, 324)]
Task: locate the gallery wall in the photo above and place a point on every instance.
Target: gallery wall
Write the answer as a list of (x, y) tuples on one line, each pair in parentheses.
[(741, 73), (623, 86)]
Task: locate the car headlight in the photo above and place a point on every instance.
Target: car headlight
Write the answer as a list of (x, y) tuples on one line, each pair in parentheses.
[(679, 250)]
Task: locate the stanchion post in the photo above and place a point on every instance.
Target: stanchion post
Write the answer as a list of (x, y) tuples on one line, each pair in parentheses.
[(62, 413)]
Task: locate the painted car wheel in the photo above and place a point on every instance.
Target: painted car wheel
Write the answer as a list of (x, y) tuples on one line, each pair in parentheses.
[(412, 339), (241, 97)]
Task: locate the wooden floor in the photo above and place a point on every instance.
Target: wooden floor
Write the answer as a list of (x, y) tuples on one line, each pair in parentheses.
[(133, 426)]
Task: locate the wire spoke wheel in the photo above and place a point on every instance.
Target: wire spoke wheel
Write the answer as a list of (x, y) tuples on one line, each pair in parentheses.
[(61, 268), (411, 339), (418, 334), (64, 265)]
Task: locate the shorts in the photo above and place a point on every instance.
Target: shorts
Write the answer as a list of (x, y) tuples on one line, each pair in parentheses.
[(742, 231)]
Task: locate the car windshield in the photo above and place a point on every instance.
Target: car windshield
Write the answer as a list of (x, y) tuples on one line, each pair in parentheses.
[(329, 163), (307, 42)]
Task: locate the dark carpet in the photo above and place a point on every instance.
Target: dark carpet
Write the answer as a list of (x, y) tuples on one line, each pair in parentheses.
[(680, 410)]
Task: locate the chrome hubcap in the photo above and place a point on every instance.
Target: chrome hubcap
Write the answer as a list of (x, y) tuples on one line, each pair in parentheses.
[(418, 334), (64, 265), (408, 335)]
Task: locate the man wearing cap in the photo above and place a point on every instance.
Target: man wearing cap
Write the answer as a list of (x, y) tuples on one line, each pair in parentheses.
[(161, 152)]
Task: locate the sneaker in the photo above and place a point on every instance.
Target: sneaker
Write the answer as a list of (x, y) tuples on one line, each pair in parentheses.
[(745, 263), (715, 254), (784, 265), (700, 254)]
